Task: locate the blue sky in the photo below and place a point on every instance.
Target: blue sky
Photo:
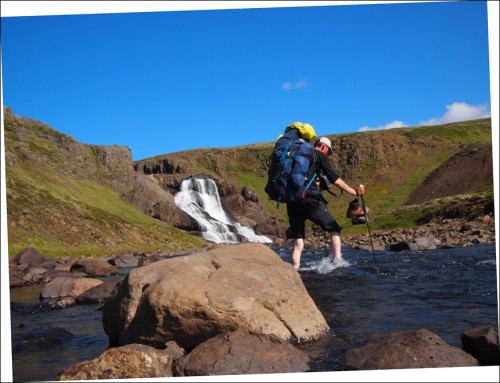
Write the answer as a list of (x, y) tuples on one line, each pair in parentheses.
[(161, 82), (165, 81)]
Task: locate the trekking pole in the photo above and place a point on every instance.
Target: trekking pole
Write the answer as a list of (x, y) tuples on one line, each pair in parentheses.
[(326, 245), (368, 225)]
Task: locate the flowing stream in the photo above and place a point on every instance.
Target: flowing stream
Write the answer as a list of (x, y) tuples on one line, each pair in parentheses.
[(446, 291), (199, 198)]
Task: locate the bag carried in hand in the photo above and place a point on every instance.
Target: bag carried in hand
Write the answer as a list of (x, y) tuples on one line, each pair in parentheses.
[(356, 213), (290, 163)]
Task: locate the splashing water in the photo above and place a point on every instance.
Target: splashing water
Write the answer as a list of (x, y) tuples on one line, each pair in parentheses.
[(325, 265)]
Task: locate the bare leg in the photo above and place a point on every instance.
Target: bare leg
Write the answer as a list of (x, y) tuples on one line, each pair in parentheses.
[(336, 245), (297, 252)]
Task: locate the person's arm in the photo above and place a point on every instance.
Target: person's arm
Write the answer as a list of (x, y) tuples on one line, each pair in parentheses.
[(326, 166), (342, 185)]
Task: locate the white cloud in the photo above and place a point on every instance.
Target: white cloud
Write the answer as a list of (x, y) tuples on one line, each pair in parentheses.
[(459, 111), (293, 85), (390, 125)]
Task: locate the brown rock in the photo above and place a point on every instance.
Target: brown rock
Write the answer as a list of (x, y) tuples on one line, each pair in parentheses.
[(93, 267), (67, 287), (60, 302), (16, 278), (29, 256), (127, 362), (249, 194), (147, 259), (482, 343), (145, 193), (243, 352), (193, 298), (124, 260), (98, 293), (408, 349), (35, 274)]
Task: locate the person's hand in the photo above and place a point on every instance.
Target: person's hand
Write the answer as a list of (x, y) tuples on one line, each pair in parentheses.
[(360, 190)]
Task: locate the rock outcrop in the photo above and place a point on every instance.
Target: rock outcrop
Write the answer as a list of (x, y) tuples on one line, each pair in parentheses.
[(144, 192), (190, 299)]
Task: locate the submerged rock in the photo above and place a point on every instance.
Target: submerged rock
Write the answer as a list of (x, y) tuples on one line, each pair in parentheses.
[(36, 338)]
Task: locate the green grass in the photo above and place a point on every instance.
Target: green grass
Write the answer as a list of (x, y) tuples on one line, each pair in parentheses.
[(466, 133), (86, 208)]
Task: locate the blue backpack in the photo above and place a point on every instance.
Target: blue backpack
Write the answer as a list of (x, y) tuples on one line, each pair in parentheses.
[(289, 165)]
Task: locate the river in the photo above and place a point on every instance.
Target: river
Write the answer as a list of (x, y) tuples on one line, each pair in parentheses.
[(446, 291)]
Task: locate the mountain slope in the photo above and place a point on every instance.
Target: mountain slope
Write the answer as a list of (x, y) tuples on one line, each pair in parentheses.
[(64, 197), (60, 197), (468, 171)]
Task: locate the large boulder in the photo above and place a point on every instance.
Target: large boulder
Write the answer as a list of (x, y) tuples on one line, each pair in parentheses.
[(243, 352), (190, 299), (407, 349), (127, 362)]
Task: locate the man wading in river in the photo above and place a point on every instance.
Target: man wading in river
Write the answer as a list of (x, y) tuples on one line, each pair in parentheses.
[(313, 205)]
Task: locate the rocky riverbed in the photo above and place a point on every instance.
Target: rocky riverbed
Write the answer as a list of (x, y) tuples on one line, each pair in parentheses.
[(30, 267), (445, 233), (249, 330)]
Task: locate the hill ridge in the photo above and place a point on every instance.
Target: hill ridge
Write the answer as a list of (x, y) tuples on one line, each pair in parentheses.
[(60, 190)]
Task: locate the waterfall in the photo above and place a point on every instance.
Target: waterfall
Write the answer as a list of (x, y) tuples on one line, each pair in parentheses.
[(199, 198)]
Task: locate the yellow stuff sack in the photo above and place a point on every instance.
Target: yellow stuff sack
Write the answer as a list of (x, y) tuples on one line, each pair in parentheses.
[(306, 131)]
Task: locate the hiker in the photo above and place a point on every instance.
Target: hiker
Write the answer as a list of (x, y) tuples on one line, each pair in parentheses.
[(313, 205)]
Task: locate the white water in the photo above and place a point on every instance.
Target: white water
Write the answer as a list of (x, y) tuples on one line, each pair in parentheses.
[(199, 198), (325, 265)]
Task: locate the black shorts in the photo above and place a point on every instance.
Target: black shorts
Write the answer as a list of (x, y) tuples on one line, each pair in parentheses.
[(313, 209)]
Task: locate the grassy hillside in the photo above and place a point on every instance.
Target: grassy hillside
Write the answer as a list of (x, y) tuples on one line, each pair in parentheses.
[(57, 204), (394, 163)]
